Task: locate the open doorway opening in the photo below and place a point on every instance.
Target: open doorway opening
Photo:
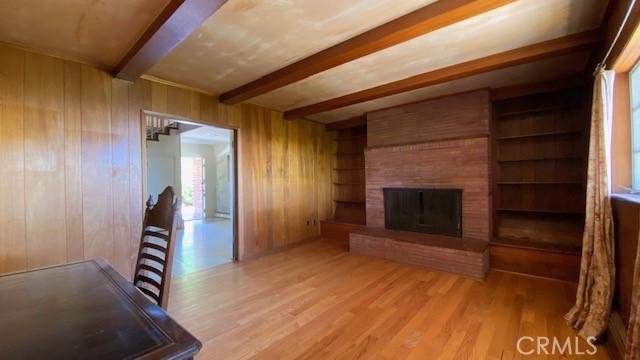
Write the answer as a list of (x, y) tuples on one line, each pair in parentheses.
[(198, 161)]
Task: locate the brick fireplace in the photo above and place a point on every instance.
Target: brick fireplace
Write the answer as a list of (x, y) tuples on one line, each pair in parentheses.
[(436, 144)]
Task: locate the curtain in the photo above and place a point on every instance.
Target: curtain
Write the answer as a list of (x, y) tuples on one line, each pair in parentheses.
[(590, 314)]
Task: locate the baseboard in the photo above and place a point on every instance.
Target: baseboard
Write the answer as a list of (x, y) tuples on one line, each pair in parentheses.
[(616, 337), (253, 256)]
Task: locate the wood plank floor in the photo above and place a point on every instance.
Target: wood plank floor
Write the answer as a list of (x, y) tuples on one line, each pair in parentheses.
[(317, 301)]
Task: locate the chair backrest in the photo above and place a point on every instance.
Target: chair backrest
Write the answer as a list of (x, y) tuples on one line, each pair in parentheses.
[(155, 255)]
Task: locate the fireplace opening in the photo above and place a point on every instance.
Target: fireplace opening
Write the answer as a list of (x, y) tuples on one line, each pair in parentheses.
[(430, 211)]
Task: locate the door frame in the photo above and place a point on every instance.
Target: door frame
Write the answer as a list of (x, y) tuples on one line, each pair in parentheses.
[(235, 166)]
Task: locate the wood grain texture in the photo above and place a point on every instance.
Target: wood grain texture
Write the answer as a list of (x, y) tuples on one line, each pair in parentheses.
[(44, 160), (82, 143), (564, 45), (298, 304), (120, 181), (538, 262), (419, 22), (176, 22), (456, 116), (13, 246), (97, 204), (73, 161)]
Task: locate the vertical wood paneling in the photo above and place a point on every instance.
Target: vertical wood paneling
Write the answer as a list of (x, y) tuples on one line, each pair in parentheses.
[(139, 98), (73, 161), (120, 185), (13, 254), (84, 144), (44, 160), (209, 110), (179, 102), (96, 164), (158, 97)]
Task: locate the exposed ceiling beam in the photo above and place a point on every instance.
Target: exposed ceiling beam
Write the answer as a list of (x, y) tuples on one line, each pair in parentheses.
[(424, 20), (563, 45), (174, 24)]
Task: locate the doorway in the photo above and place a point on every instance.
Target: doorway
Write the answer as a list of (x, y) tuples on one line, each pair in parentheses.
[(199, 162)]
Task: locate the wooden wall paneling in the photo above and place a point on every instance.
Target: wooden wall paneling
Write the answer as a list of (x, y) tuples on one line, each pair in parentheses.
[(44, 160), (209, 110), (96, 164), (13, 252), (73, 160), (295, 182), (139, 98), (280, 187), (179, 103), (255, 148), (98, 148), (120, 185), (158, 97)]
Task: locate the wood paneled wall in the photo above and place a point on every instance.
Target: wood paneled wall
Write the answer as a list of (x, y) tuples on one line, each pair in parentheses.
[(71, 167)]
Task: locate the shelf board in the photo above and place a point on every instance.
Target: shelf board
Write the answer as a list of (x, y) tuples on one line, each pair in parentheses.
[(349, 202), (550, 133), (534, 245), (535, 110), (348, 183), (543, 159), (348, 154), (540, 182), (349, 169), (541, 211)]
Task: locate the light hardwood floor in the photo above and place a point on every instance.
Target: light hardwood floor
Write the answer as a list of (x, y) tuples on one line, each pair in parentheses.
[(318, 301)]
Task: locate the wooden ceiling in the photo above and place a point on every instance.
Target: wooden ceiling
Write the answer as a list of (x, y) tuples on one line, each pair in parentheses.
[(326, 51)]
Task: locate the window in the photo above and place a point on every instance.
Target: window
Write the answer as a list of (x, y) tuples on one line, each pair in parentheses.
[(634, 85)]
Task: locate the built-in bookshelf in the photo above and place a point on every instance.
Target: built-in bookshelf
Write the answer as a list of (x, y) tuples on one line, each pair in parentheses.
[(348, 174), (540, 147)]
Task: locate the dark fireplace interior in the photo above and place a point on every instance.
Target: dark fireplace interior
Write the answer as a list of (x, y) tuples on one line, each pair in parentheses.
[(430, 211)]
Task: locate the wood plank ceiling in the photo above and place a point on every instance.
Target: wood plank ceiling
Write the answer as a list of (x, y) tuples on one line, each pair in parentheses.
[(358, 45)]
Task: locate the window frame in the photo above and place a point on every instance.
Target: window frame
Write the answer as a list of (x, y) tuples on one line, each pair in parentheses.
[(633, 97)]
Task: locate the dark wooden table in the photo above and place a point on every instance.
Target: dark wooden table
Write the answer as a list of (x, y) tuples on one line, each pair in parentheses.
[(85, 310)]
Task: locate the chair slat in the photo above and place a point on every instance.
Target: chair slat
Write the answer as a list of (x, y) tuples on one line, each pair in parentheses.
[(150, 293), (156, 234), (148, 280), (151, 269), (153, 258), (150, 245)]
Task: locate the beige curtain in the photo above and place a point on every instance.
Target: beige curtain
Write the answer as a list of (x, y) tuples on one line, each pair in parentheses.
[(590, 314)]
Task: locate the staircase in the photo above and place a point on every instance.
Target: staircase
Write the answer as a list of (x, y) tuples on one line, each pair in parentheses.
[(157, 126)]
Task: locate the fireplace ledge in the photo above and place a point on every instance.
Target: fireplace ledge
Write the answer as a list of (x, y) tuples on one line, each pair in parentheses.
[(463, 256)]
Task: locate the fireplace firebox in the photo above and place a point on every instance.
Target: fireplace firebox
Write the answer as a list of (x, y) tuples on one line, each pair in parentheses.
[(430, 211)]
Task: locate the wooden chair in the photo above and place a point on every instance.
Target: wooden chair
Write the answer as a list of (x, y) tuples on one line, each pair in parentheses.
[(155, 256)]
